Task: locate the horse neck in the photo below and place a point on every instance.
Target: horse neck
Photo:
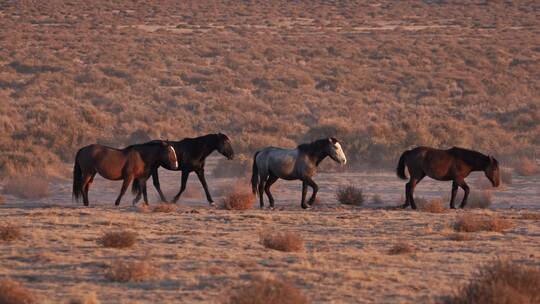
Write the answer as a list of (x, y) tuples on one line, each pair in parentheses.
[(150, 154), (206, 145), (316, 154), (477, 161)]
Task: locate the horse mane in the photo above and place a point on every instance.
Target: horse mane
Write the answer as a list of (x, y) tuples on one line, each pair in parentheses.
[(471, 157), (313, 146)]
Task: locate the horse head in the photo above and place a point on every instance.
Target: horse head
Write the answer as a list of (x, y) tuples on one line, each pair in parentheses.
[(335, 151), (224, 146), (168, 155), (492, 172)]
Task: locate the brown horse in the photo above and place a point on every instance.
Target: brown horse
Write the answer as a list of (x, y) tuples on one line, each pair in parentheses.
[(454, 165), (134, 163)]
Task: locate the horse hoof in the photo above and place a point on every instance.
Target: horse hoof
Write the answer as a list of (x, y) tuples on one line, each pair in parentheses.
[(306, 207), (404, 206), (212, 204)]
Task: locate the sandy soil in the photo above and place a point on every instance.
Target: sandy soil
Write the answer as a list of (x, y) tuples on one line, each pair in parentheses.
[(202, 254)]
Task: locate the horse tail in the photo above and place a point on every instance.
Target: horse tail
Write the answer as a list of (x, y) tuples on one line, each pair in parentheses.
[(77, 178), (255, 174), (400, 170)]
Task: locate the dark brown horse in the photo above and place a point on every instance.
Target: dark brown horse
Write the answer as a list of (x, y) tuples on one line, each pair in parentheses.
[(134, 163), (192, 153), (454, 165)]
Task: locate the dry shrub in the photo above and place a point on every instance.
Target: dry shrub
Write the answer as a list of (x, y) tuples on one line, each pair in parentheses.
[(10, 233), (118, 239), (266, 290), (165, 208), (2, 199), (130, 272), (502, 282), (377, 200), (27, 187), (12, 292), (530, 216), (459, 237), (238, 198), (474, 223), (527, 167), (283, 241), (401, 248), (350, 195), (431, 206), (89, 298)]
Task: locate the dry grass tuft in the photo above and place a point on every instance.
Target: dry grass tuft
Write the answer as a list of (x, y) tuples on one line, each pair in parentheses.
[(377, 200), (27, 187), (474, 223), (89, 298), (283, 241), (12, 292), (502, 282), (401, 248), (350, 195), (480, 200), (432, 206), (165, 208), (10, 233), (527, 167), (2, 199), (265, 290), (131, 272), (239, 198), (530, 216), (459, 237), (118, 239)]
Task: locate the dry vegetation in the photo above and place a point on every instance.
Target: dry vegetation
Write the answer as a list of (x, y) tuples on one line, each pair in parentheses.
[(12, 292), (118, 239), (164, 207), (530, 216), (350, 195), (27, 187), (527, 167), (502, 282), (283, 241), (133, 271), (401, 248), (89, 298), (265, 290), (238, 198), (10, 233), (459, 237), (475, 223), (432, 206), (437, 73)]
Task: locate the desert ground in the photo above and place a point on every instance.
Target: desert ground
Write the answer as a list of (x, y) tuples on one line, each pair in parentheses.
[(201, 254), (382, 76)]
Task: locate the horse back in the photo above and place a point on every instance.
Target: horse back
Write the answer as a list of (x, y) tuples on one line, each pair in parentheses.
[(108, 162)]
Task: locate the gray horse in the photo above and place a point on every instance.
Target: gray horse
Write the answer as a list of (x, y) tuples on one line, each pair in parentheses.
[(301, 163)]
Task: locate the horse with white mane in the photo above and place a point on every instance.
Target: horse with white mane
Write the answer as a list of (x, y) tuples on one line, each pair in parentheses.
[(271, 163)]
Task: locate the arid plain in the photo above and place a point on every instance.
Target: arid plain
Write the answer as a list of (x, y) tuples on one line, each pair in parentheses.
[(381, 76)]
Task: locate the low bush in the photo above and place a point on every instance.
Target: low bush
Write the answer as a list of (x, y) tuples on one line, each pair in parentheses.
[(401, 248), (350, 195), (283, 241), (475, 223), (10, 233), (501, 282), (119, 239), (13, 292), (131, 272), (27, 187), (264, 291)]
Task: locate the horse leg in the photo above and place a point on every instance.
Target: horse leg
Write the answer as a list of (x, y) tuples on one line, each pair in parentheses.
[(155, 180), (304, 192), (453, 196), (315, 188), (202, 179), (271, 180), (466, 189), (137, 198), (407, 195), (87, 181), (412, 185), (142, 183), (125, 184), (262, 184), (185, 175)]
